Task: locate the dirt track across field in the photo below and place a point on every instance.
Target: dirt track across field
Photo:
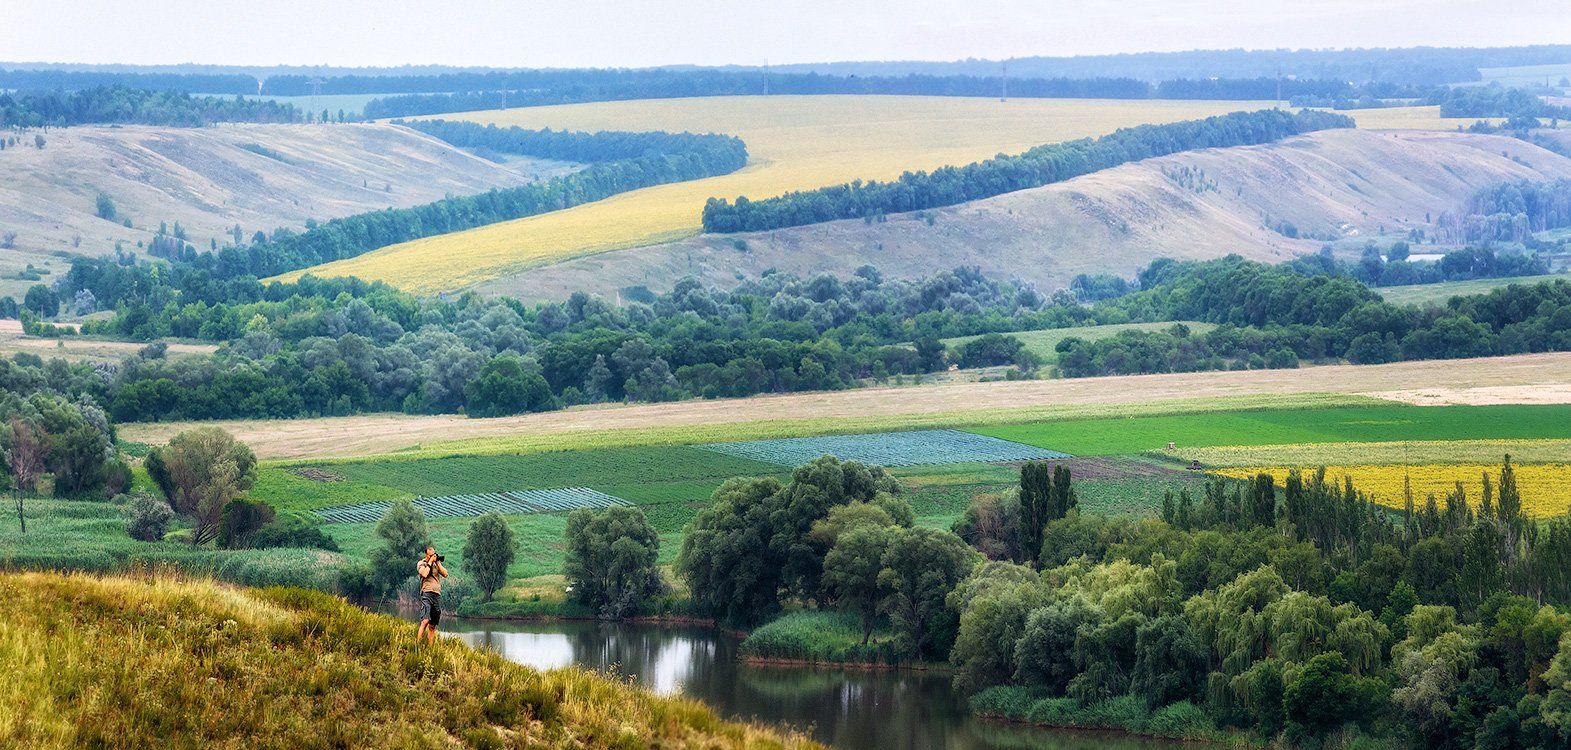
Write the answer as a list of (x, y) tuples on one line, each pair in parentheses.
[(1528, 376)]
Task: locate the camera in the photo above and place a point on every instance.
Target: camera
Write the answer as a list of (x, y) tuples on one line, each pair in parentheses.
[(440, 558)]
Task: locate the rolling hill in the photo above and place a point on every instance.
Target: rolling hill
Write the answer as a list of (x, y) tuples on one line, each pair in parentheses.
[(260, 177), (1203, 204), (794, 143)]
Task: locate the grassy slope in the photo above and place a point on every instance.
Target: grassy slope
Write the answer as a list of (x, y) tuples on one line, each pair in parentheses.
[(1190, 205), (795, 143), (1042, 343), (91, 536), (123, 662), (208, 180), (1437, 294)]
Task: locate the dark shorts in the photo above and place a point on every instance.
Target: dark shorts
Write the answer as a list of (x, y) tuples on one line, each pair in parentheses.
[(432, 602)]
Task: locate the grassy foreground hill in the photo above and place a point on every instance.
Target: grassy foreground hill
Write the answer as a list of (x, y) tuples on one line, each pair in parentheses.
[(157, 661)]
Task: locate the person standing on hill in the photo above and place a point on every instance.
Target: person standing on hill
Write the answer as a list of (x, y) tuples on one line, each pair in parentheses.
[(431, 572)]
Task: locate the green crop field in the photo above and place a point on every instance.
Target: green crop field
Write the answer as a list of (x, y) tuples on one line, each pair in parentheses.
[(1437, 294), (1106, 437), (369, 481), (539, 539), (1043, 343)]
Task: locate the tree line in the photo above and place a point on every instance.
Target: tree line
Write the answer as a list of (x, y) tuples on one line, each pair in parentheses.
[(1509, 212), (1290, 611), (1393, 266), (1493, 100), (1275, 316), (343, 346), (618, 162), (1423, 66), (1039, 166), (119, 104)]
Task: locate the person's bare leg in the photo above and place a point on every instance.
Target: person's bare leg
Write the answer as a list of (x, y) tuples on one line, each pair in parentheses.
[(420, 634)]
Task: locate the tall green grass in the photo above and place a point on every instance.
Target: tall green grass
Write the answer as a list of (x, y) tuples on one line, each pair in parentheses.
[(71, 535), (161, 662), (818, 636), (1182, 720)]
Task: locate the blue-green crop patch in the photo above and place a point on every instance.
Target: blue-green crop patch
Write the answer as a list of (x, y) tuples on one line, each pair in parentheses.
[(461, 506), (888, 449)]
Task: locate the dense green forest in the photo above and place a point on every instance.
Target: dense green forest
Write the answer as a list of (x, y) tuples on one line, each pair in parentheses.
[(618, 162), (117, 103), (343, 346), (1276, 316), (1289, 611), (1040, 166)]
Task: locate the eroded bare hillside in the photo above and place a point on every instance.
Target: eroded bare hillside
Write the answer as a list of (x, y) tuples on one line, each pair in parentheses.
[(260, 177), (1202, 204)]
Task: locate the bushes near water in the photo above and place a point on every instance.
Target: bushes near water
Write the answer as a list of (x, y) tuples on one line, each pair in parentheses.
[(1181, 720), (819, 636)]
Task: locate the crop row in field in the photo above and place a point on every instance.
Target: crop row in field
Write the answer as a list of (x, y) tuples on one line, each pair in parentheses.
[(888, 448), (1545, 488), (1407, 452), (521, 502), (1387, 423)]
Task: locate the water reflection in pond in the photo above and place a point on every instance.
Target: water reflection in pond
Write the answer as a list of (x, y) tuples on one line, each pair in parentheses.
[(845, 709)]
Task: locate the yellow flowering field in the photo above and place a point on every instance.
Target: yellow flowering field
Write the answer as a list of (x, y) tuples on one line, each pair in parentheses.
[(1407, 452), (1545, 488)]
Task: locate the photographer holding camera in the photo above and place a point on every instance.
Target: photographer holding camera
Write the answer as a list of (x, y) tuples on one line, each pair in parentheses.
[(431, 572)]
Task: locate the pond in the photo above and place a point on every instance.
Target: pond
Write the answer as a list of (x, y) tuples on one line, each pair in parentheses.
[(855, 710)]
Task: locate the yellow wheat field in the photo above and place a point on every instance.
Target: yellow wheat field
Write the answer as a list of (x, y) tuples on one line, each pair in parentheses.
[(1545, 488), (794, 143)]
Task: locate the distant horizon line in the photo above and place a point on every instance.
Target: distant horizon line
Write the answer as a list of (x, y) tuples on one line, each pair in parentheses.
[(237, 67)]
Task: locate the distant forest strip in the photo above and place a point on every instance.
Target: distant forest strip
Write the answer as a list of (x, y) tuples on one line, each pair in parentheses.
[(618, 162), (409, 95), (119, 104), (1327, 91), (1493, 100), (1421, 66), (1043, 165)]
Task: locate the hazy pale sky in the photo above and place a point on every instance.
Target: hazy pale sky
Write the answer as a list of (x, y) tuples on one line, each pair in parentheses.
[(558, 33)]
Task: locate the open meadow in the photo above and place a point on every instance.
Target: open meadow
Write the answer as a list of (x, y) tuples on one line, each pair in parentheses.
[(1437, 294), (793, 142)]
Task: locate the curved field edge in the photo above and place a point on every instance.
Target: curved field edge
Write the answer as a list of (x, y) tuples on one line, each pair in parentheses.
[(93, 660), (794, 143)]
